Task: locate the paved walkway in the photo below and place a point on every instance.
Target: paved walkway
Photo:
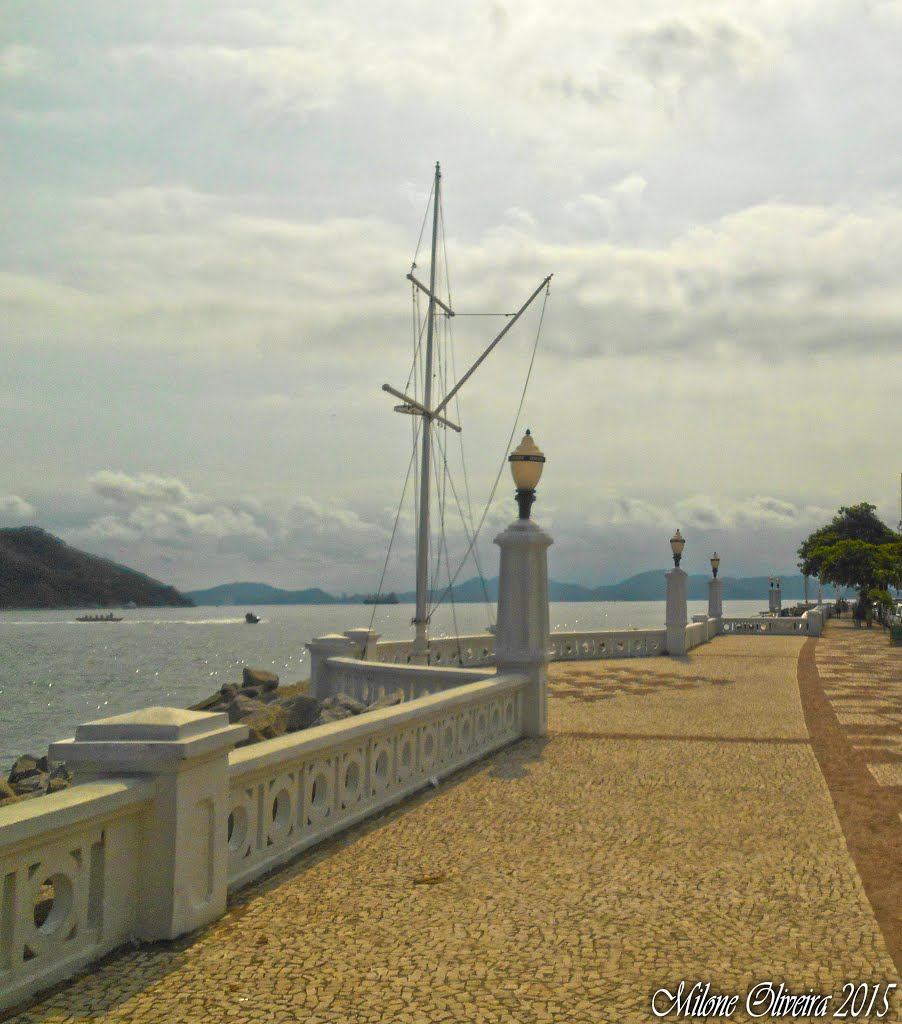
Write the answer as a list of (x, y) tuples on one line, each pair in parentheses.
[(676, 825)]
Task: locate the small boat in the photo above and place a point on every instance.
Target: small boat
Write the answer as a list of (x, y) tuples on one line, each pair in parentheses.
[(99, 618), (391, 598), (251, 619)]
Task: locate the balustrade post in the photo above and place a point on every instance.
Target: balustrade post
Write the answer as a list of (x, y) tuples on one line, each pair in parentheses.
[(815, 619), (332, 645), (365, 640), (182, 882), (522, 634), (677, 612), (715, 598)]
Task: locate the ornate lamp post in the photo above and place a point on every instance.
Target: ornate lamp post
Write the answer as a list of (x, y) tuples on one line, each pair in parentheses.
[(522, 634), (715, 591), (677, 543), (677, 592), (527, 463)]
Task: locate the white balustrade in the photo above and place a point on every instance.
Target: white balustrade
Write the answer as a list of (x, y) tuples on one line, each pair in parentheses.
[(369, 681), (590, 646), (777, 626), (466, 651), (71, 864), (289, 793)]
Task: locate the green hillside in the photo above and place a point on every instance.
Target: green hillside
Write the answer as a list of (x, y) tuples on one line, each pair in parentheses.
[(38, 570)]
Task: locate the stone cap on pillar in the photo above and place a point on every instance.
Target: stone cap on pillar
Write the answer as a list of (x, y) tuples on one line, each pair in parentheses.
[(332, 643), (150, 740), (524, 531), (363, 638)]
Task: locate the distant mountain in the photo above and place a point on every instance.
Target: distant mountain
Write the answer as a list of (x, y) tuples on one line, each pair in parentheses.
[(260, 593), (645, 586), (38, 570)]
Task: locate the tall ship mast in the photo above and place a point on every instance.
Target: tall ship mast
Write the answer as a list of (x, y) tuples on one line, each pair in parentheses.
[(431, 415)]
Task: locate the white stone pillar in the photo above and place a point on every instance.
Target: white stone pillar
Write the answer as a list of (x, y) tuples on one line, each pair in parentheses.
[(365, 640), (778, 600), (332, 645), (677, 614), (522, 634), (183, 877), (715, 598), (815, 620)]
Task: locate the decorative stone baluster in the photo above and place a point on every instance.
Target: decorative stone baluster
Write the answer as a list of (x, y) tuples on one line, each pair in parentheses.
[(182, 884)]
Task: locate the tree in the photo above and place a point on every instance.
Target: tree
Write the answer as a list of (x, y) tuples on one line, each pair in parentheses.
[(855, 549)]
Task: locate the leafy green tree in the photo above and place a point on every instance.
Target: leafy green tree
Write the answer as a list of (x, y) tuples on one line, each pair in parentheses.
[(855, 549)]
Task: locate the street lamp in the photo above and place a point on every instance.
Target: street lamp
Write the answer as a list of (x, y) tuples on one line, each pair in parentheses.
[(715, 563), (526, 463), (677, 543)]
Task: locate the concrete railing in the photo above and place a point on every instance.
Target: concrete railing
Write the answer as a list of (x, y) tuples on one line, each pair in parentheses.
[(71, 870), (369, 680), (810, 622), (600, 644), (288, 793), (475, 650), (784, 625), (335, 664), (120, 858), (697, 634)]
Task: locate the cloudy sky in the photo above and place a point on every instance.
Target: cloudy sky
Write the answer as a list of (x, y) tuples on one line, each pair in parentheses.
[(208, 210)]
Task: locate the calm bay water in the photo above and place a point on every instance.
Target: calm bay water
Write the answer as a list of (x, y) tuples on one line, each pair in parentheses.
[(56, 673)]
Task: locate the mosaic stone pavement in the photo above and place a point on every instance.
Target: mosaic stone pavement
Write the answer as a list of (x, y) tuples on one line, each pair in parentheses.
[(862, 679), (676, 825)]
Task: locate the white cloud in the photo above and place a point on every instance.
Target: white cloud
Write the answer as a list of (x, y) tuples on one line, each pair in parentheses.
[(141, 487), (680, 50), (753, 512), (761, 276), (15, 510)]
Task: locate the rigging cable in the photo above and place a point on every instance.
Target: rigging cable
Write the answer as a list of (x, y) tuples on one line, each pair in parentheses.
[(460, 438), (416, 251), (442, 449), (507, 449), (410, 464)]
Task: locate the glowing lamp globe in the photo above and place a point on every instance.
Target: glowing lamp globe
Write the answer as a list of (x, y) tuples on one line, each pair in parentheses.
[(677, 543), (527, 463)]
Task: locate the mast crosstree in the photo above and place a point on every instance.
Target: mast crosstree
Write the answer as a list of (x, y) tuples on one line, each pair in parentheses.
[(432, 415)]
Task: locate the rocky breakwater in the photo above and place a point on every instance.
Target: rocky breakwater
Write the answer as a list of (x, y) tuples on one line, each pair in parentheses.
[(269, 710), (33, 776), (258, 702)]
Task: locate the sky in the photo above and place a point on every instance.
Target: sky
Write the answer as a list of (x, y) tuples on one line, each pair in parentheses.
[(208, 211)]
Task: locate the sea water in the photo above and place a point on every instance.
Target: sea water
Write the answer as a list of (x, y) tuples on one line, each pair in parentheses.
[(56, 673)]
